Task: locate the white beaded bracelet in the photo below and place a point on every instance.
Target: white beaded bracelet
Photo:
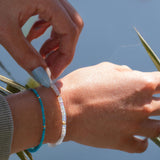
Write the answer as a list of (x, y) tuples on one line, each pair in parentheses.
[(64, 118)]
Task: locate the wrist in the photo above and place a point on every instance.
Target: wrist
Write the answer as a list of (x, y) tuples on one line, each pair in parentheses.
[(27, 118), (52, 114)]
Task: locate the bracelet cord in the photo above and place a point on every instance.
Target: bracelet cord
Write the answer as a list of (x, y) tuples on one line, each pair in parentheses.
[(64, 118), (34, 149)]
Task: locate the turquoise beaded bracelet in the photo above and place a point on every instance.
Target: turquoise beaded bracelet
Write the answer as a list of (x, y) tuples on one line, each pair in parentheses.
[(34, 149)]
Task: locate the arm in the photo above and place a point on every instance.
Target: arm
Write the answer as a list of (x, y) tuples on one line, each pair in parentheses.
[(27, 118), (106, 106)]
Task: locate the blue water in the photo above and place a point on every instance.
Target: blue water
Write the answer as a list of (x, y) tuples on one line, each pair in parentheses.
[(108, 35)]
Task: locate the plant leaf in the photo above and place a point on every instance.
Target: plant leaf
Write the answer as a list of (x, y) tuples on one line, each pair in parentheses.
[(156, 62), (21, 155), (28, 154), (4, 91), (151, 53), (11, 83), (12, 89), (156, 141)]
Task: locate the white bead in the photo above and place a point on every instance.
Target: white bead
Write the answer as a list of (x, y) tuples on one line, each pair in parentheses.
[(64, 118)]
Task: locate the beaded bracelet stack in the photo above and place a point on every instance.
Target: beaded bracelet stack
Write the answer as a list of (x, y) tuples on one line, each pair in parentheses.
[(63, 112)]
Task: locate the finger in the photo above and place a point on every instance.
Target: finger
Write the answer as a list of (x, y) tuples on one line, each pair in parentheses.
[(123, 68), (37, 29), (64, 27), (155, 106), (154, 78), (157, 90), (21, 50), (58, 66), (50, 45), (149, 128), (136, 145), (68, 31), (73, 14)]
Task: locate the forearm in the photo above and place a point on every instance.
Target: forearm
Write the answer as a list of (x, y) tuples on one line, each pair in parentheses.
[(27, 118)]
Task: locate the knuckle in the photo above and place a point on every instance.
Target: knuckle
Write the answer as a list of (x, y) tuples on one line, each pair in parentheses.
[(125, 67), (149, 84), (147, 109), (79, 22), (104, 64)]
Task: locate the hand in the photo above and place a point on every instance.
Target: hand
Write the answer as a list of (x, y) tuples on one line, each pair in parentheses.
[(109, 105), (66, 23)]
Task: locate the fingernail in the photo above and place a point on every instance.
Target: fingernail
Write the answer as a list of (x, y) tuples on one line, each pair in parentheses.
[(41, 76), (48, 73)]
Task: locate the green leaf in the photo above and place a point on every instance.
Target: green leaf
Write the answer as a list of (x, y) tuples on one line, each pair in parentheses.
[(28, 154), (4, 91), (25, 155), (156, 62), (151, 53), (12, 89), (21, 155), (12, 83), (156, 141)]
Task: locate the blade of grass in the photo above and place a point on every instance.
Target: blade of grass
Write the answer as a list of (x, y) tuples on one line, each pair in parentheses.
[(156, 141), (156, 62), (151, 53), (28, 154), (12, 89), (12, 83), (4, 91), (21, 155)]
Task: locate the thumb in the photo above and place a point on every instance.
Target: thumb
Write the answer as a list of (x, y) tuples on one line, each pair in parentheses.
[(22, 51)]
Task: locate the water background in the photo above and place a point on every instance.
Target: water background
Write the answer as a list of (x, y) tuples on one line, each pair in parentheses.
[(108, 35)]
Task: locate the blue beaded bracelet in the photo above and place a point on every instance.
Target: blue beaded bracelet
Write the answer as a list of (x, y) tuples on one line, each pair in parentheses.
[(34, 149)]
